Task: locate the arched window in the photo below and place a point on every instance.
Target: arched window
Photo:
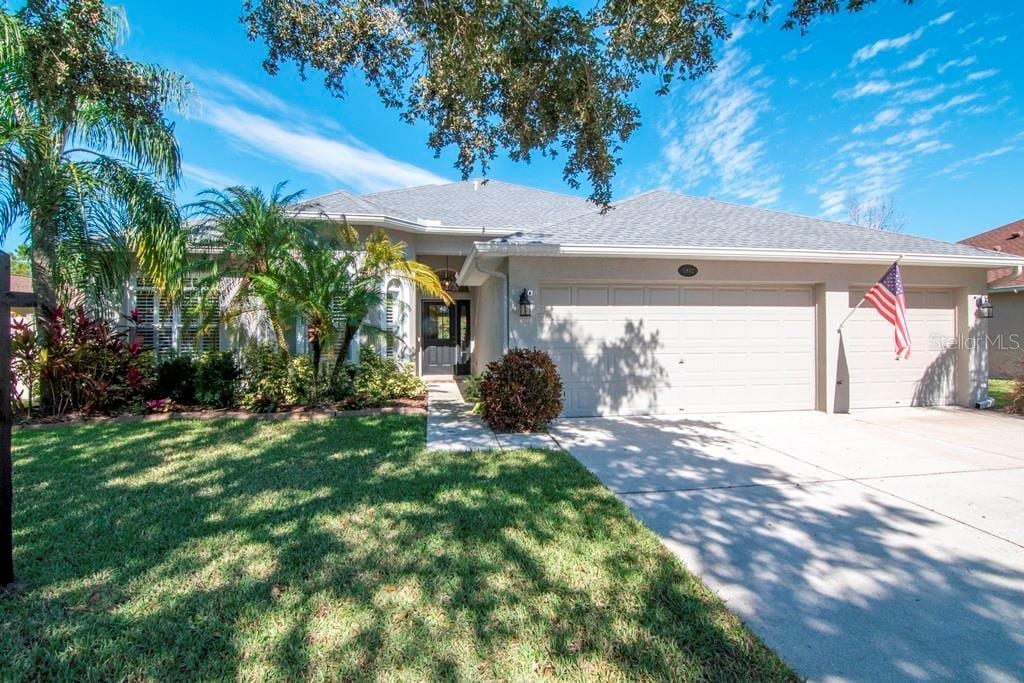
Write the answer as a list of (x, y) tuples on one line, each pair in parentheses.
[(392, 317)]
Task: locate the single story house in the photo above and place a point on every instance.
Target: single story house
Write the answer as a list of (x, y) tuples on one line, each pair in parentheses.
[(674, 304), (1006, 293)]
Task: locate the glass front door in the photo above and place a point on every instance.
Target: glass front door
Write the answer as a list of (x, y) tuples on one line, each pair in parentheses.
[(445, 331)]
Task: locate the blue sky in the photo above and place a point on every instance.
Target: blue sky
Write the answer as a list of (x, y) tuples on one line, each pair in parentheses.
[(919, 103)]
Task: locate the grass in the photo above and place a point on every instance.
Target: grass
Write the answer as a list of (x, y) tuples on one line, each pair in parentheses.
[(1002, 391), (341, 550)]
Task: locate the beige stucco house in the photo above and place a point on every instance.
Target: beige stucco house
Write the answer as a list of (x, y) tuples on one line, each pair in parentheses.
[(674, 304), (1006, 293)]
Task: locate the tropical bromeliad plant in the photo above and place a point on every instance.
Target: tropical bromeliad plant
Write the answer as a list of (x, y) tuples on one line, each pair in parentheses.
[(88, 159)]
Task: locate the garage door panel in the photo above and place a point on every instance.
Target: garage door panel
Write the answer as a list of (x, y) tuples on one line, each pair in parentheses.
[(697, 296), (877, 378), (628, 296), (662, 296), (671, 349)]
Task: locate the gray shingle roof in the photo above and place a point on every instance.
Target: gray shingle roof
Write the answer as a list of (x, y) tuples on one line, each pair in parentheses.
[(482, 204), (344, 202), (653, 219), (667, 219)]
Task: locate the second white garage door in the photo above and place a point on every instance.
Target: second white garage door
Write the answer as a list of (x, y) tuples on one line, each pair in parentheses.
[(877, 379), (637, 349)]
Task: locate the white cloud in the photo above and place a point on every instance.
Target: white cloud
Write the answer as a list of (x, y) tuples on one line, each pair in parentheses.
[(796, 52), (919, 95), (976, 159), (865, 88), (833, 203), (874, 49), (223, 87), (931, 146), (917, 61), (981, 75), (912, 135), (239, 89), (985, 108), (898, 43), (928, 114), (721, 140), (349, 163), (886, 117), (966, 61), (208, 177)]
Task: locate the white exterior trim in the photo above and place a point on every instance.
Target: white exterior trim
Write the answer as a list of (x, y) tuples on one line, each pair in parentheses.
[(737, 254)]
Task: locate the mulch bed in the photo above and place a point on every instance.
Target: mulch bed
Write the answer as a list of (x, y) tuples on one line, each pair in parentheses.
[(405, 406)]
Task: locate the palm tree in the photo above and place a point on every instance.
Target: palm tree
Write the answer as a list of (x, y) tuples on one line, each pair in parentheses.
[(372, 263), (249, 237), (309, 285), (88, 161)]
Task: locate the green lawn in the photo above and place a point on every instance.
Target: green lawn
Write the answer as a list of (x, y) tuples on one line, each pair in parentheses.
[(340, 550), (1001, 390)]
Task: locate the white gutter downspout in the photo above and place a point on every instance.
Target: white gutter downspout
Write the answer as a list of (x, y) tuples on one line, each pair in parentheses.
[(506, 305)]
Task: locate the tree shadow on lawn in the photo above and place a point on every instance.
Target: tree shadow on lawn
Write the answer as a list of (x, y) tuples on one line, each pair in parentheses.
[(340, 549)]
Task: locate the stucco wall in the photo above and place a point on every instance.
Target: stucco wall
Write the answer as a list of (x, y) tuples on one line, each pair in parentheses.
[(831, 283), (1006, 336), (488, 326)]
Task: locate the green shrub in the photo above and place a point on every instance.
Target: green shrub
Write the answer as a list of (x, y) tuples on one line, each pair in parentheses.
[(342, 386), (1017, 397), (175, 379), (216, 379), (379, 379), (471, 393), (521, 392), (301, 389), (264, 378)]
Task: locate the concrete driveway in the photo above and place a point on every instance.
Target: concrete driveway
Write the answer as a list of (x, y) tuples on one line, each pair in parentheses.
[(884, 545)]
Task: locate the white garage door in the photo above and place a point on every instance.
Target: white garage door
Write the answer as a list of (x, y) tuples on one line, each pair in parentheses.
[(877, 379), (636, 349)]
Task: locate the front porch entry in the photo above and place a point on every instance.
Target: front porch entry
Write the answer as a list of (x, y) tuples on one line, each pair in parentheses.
[(445, 331)]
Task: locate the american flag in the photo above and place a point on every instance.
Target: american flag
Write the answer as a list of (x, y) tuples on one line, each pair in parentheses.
[(887, 298)]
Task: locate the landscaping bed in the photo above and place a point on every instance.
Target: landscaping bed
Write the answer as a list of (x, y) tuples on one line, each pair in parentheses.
[(403, 406), (255, 550)]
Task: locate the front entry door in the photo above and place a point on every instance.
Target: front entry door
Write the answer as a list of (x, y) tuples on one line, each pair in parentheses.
[(445, 330)]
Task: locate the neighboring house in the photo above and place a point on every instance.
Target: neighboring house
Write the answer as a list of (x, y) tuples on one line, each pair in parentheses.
[(23, 284), (1006, 293), (675, 304)]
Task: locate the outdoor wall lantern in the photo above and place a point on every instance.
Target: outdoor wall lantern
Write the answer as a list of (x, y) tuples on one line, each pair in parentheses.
[(985, 308), (525, 304)]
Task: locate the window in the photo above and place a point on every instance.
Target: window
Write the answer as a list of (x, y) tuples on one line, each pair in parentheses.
[(195, 316), (156, 317), (166, 327), (338, 318), (391, 319)]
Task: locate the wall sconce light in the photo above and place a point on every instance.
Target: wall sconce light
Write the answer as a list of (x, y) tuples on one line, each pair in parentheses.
[(985, 308), (525, 304)]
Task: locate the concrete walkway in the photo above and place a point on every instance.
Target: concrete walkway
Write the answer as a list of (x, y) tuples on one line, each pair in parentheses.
[(451, 427)]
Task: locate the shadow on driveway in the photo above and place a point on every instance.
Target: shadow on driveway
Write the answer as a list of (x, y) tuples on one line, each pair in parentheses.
[(859, 548)]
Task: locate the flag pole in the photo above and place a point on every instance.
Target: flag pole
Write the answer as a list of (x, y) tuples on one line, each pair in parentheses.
[(839, 330)]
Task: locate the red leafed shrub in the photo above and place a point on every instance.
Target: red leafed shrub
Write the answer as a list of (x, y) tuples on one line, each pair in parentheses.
[(521, 392), (89, 365)]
